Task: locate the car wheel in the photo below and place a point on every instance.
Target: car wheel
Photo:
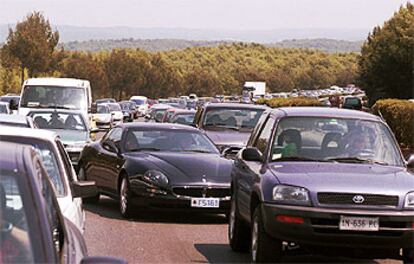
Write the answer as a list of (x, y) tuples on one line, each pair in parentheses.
[(238, 232), (408, 256), (82, 177), (264, 249), (124, 198)]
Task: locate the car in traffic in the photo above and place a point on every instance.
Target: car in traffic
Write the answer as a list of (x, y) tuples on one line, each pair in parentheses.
[(128, 109), (141, 103), (12, 99), (4, 108), (58, 166), (17, 121), (158, 166), (352, 102), (320, 177), (71, 126), (156, 112), (33, 227), (55, 93), (183, 117), (116, 112), (228, 125), (103, 117)]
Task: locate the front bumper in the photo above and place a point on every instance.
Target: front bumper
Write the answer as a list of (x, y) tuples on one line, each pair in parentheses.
[(321, 227), (146, 196)]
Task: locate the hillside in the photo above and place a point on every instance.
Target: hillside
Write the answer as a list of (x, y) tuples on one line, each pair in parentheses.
[(326, 45)]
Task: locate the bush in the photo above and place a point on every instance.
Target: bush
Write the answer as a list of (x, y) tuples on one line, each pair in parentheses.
[(287, 102), (399, 114)]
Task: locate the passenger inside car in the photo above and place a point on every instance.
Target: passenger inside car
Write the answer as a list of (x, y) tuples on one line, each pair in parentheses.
[(291, 141)]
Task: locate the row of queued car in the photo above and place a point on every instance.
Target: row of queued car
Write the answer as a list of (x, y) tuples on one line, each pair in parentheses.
[(308, 177), (41, 212)]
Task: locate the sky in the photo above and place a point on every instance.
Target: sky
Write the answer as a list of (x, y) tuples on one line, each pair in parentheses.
[(206, 14)]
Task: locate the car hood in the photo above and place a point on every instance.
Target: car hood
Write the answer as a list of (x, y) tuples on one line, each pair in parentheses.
[(228, 137), (189, 167), (70, 137), (347, 178)]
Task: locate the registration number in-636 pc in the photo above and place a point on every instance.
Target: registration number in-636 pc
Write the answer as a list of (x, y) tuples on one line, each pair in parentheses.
[(359, 223), (205, 202)]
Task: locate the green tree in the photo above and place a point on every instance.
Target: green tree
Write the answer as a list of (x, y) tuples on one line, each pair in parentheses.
[(32, 44), (387, 58)]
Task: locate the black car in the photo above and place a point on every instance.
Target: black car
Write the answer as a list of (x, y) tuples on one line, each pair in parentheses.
[(322, 178), (33, 228), (164, 166), (228, 124)]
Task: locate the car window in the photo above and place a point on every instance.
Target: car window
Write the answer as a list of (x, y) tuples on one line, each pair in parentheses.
[(66, 160), (265, 135), (58, 120), (346, 140), (16, 246), (115, 135), (231, 118)]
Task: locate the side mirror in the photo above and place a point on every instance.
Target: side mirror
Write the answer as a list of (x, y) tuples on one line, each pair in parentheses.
[(252, 154), (103, 260), (84, 189), (410, 162), (110, 146)]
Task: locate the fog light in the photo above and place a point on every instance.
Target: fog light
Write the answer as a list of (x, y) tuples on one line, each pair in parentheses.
[(290, 219)]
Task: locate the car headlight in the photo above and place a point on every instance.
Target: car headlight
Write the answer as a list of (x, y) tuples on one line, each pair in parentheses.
[(291, 195), (409, 200), (156, 177)]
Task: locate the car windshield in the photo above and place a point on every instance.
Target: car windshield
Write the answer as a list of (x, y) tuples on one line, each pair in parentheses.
[(168, 140), (114, 107), (58, 120), (139, 101), (15, 242), (228, 118), (3, 109), (334, 139), (53, 96), (184, 119), (102, 109), (352, 101), (125, 106)]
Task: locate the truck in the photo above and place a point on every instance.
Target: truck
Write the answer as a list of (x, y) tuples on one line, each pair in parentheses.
[(255, 88)]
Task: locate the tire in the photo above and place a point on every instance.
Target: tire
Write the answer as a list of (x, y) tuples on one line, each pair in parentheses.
[(125, 198), (408, 256), (82, 177), (238, 232), (264, 249)]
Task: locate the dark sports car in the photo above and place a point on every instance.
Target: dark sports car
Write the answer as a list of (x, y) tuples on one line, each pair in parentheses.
[(164, 166)]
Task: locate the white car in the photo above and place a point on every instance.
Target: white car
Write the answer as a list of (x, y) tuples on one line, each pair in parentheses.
[(116, 112), (58, 166), (103, 117), (142, 104), (4, 108)]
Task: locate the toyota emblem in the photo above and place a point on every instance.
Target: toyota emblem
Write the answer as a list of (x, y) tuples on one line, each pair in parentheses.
[(358, 199)]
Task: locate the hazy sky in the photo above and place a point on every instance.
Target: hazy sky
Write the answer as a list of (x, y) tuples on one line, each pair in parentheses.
[(219, 14)]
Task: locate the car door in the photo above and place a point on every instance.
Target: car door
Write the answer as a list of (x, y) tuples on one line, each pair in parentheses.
[(249, 171), (110, 162)]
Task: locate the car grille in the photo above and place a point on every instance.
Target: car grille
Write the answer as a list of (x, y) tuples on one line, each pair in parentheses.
[(202, 192), (347, 199)]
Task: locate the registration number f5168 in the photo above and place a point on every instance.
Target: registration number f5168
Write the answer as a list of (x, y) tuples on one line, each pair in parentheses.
[(205, 202)]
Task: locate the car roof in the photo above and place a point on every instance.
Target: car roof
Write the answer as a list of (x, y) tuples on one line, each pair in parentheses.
[(18, 119), (326, 112), (69, 82), (42, 134), (235, 105), (166, 126)]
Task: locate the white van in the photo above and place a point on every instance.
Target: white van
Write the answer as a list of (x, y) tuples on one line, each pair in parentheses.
[(61, 93), (142, 104)]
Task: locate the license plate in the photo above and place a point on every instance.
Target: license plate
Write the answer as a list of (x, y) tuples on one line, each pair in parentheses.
[(359, 223), (205, 202)]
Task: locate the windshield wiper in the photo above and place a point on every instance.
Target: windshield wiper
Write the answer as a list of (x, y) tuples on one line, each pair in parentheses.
[(357, 160), (196, 150), (300, 159), (145, 149)]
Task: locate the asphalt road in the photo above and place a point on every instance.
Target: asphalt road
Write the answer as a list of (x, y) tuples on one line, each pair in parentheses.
[(159, 237)]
